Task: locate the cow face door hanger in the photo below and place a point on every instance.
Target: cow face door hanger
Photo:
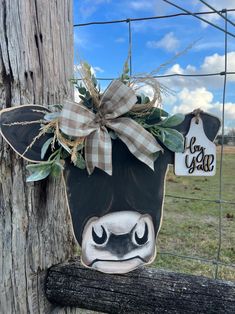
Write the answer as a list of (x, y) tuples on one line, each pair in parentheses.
[(116, 218)]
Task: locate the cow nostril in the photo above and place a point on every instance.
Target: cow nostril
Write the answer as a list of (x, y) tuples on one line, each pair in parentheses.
[(99, 240), (142, 240)]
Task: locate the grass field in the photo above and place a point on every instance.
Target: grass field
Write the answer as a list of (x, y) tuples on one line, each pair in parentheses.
[(192, 227)]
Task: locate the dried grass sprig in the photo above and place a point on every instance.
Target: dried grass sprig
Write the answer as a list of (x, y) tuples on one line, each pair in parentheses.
[(57, 136), (73, 144), (24, 122), (85, 73), (44, 129)]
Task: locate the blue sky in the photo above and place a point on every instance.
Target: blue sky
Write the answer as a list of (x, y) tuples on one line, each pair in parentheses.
[(105, 47)]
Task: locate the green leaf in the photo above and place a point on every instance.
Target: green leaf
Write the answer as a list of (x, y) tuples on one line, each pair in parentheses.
[(80, 146), (87, 102), (64, 154), (163, 136), (142, 97), (173, 140), (56, 106), (52, 116), (41, 165), (73, 80), (146, 100), (172, 121), (125, 73), (88, 95), (50, 130), (45, 147), (64, 146), (82, 90), (155, 115), (39, 171), (94, 80), (83, 98), (126, 66), (113, 135), (156, 155), (56, 169), (87, 67), (80, 162)]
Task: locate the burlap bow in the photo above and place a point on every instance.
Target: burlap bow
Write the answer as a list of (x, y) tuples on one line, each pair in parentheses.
[(76, 120)]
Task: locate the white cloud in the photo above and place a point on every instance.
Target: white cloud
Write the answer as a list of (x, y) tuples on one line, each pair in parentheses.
[(89, 7), (208, 45), (218, 5), (187, 100), (169, 43), (120, 40), (211, 64), (97, 70), (154, 7), (216, 62), (80, 40), (194, 92), (94, 69), (191, 99), (146, 90), (142, 5)]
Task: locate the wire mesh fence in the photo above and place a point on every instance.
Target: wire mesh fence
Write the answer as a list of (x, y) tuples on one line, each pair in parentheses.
[(219, 201)]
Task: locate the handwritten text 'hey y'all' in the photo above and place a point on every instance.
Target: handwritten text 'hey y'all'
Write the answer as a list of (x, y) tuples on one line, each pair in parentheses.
[(200, 160)]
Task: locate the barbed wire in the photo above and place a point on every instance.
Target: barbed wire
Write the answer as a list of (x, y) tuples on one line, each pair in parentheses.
[(217, 261)]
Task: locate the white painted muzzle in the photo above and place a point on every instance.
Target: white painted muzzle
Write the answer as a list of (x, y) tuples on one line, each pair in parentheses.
[(118, 242)]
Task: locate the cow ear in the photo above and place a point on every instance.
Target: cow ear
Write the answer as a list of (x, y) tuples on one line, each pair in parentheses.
[(211, 125), (20, 126)]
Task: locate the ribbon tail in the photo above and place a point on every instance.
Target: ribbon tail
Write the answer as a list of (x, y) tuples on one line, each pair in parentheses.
[(140, 142), (98, 151)]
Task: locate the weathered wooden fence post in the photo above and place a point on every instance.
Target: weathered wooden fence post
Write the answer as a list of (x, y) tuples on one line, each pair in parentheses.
[(36, 62), (143, 291)]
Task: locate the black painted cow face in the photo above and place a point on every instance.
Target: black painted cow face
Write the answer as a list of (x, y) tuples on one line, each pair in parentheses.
[(116, 218)]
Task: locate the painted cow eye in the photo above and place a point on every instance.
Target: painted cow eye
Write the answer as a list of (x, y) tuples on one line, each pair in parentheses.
[(142, 240), (99, 240)]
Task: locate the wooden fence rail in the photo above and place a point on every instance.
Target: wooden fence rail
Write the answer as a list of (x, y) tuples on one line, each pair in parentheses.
[(142, 291)]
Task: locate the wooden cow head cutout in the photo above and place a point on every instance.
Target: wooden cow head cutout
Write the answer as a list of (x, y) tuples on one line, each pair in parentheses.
[(116, 219)]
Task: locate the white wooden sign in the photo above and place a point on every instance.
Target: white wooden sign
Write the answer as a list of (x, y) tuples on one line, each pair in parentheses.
[(199, 156)]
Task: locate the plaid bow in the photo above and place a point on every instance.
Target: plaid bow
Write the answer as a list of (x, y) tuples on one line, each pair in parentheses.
[(76, 120)]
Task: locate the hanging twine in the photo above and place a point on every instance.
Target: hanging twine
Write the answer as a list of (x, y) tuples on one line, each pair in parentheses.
[(197, 113)]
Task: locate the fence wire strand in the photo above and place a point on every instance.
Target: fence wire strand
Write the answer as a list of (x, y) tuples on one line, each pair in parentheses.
[(168, 75), (130, 45), (148, 18), (200, 18), (222, 146), (218, 12), (222, 13)]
